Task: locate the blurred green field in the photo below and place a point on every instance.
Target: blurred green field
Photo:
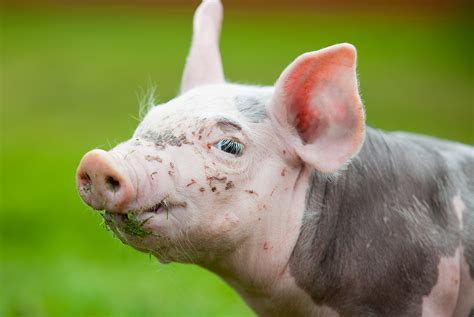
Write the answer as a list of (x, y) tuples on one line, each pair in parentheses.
[(69, 81)]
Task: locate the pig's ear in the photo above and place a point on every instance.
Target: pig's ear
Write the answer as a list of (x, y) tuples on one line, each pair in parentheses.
[(317, 108), (204, 65)]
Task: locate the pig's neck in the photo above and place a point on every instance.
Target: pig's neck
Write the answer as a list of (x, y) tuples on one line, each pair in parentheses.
[(259, 269)]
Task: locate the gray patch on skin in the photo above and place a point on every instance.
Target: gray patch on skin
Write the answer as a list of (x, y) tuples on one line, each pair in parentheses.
[(468, 215), (372, 238), (253, 108), (164, 138), (462, 173)]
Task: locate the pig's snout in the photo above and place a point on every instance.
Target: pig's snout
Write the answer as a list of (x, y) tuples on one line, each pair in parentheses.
[(102, 184)]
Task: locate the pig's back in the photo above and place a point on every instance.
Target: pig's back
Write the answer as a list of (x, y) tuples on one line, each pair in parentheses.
[(459, 160)]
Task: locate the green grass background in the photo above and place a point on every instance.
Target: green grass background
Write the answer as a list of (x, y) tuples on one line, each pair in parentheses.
[(69, 81)]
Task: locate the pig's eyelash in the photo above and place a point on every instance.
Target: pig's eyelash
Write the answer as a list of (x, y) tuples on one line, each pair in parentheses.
[(230, 146)]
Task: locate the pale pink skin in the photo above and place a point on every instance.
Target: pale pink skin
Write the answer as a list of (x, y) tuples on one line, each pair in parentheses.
[(237, 216)]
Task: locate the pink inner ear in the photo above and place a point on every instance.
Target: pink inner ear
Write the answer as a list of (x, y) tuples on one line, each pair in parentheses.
[(317, 92)]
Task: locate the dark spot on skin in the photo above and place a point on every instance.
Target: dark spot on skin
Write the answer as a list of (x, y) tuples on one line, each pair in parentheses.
[(171, 165), (200, 137), (170, 173), (273, 191), (395, 197), (212, 179), (253, 108), (284, 152), (283, 172), (229, 185), (265, 246), (153, 158), (163, 138), (213, 189), (259, 219), (153, 174), (202, 190), (193, 181), (222, 179), (209, 146), (250, 192), (181, 204)]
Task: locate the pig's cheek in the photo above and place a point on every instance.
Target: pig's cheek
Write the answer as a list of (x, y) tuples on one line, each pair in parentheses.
[(218, 232), (162, 225)]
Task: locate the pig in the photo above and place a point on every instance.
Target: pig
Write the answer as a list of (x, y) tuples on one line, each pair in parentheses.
[(288, 196)]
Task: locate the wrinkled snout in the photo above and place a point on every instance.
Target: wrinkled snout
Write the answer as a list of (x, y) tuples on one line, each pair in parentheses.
[(103, 184)]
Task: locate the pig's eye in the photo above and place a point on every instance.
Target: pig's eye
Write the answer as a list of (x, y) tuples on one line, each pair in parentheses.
[(230, 146)]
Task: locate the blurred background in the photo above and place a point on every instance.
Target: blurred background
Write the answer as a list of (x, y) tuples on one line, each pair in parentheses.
[(71, 76)]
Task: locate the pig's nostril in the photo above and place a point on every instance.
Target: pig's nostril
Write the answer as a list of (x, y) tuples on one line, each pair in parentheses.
[(85, 177), (112, 184), (86, 182)]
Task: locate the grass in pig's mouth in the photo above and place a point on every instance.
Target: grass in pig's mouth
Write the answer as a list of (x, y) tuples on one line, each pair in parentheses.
[(134, 226), (131, 224)]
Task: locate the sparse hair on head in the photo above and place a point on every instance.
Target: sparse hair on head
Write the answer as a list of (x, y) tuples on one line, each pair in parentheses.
[(146, 99)]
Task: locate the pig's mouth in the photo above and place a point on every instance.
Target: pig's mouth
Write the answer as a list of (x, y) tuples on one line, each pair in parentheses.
[(154, 209), (133, 222), (165, 205), (147, 229)]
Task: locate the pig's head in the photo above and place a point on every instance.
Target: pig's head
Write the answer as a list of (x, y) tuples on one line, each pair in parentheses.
[(220, 165)]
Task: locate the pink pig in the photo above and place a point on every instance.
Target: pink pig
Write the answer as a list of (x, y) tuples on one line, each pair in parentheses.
[(287, 195)]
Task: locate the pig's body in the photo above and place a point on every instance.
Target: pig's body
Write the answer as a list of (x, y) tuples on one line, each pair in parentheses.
[(392, 234), (285, 194)]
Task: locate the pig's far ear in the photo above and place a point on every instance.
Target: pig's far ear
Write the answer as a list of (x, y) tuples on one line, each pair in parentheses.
[(317, 108), (204, 65)]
